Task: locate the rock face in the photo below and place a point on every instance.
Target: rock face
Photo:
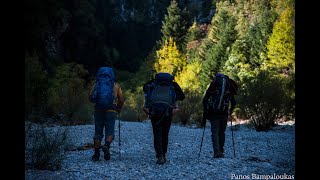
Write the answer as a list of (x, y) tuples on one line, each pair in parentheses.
[(131, 28), (153, 10), (141, 21)]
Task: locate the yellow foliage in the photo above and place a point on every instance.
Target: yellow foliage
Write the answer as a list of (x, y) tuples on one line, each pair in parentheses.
[(169, 59), (281, 45), (189, 77)]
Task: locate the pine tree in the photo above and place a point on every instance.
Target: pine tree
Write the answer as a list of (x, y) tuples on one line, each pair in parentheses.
[(174, 25), (281, 45), (222, 35)]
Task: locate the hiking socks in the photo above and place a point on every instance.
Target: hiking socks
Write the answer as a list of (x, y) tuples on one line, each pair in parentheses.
[(106, 150)]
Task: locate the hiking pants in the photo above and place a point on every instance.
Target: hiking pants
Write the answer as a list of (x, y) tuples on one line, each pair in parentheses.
[(161, 134), (218, 128), (106, 121)]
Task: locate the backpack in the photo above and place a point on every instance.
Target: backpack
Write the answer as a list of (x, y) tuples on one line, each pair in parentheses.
[(162, 94), (218, 100), (103, 94)]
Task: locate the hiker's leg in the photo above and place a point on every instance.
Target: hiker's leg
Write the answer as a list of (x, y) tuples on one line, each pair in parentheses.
[(96, 155), (98, 125), (98, 134), (215, 127), (165, 134), (109, 133), (222, 129), (157, 137), (215, 133), (110, 119)]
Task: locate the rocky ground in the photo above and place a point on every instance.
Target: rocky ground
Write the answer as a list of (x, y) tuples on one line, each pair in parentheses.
[(259, 155)]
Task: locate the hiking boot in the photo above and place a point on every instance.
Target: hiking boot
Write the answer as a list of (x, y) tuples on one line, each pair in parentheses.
[(222, 150), (161, 160), (96, 155), (106, 152), (218, 154)]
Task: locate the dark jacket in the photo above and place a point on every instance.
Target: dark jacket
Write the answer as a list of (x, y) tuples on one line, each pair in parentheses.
[(232, 92)]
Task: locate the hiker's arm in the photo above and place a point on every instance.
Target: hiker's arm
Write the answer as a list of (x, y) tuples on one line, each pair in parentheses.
[(233, 87), (146, 86), (204, 103), (210, 88), (120, 97), (179, 92), (146, 91)]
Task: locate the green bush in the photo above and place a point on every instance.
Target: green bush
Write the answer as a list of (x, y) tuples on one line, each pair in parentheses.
[(133, 106), (190, 109), (68, 95), (264, 99)]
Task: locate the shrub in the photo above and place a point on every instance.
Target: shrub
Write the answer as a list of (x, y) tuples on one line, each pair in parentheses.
[(68, 95), (133, 106), (190, 109), (45, 150), (264, 99)]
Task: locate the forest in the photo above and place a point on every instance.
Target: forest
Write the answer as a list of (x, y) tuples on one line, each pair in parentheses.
[(252, 41)]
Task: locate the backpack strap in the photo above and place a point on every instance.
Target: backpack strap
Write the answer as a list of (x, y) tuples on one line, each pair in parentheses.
[(222, 91)]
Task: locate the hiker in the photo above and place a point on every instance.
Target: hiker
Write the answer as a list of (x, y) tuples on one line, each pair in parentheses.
[(161, 94), (108, 99), (220, 92)]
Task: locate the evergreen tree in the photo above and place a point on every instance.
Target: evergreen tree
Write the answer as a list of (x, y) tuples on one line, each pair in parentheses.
[(193, 32), (85, 40), (194, 37), (249, 52), (222, 35), (174, 25), (281, 45)]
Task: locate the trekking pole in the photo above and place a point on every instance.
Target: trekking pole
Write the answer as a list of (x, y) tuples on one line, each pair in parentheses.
[(204, 128), (119, 136), (234, 150)]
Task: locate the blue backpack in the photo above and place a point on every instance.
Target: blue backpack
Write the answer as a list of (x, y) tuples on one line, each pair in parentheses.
[(218, 100), (103, 94)]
